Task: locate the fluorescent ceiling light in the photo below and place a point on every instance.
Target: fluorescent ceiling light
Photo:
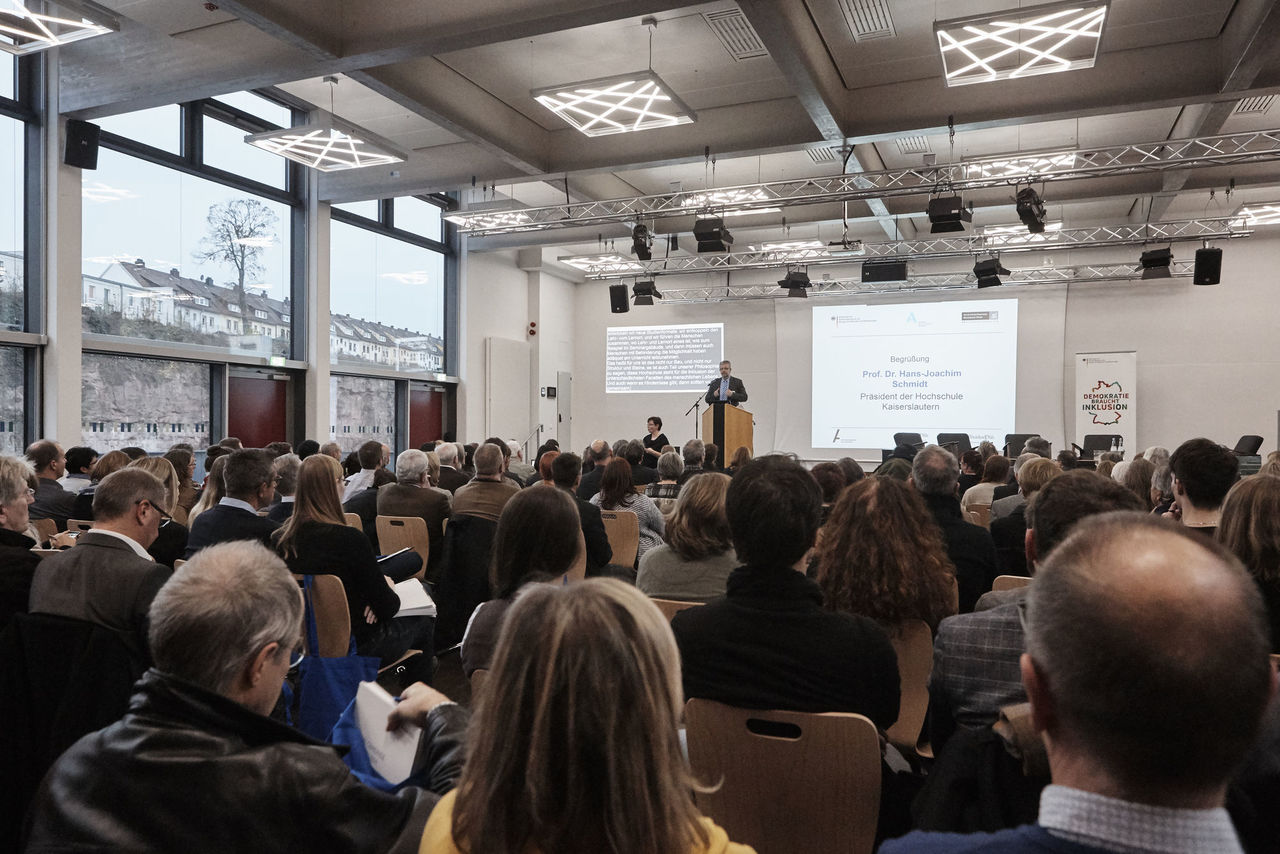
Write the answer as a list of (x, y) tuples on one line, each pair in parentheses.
[(1020, 167), (1021, 42), (488, 219), (329, 144), (618, 104), (24, 31), (1263, 213), (614, 262), (1008, 235), (788, 246), (721, 201)]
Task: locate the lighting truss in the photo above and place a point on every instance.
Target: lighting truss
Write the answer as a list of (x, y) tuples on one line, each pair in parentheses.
[(611, 261), (619, 104), (1137, 158), (1076, 274), (329, 144), (941, 246), (1020, 42), (24, 31), (1262, 213)]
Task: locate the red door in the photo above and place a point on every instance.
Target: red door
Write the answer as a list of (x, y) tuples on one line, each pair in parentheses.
[(426, 414), (257, 408)]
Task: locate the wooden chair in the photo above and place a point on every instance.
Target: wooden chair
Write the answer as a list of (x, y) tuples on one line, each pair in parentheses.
[(79, 524), (399, 532), (479, 678), (333, 619), (178, 564), (623, 529), (46, 528), (981, 514), (789, 781), (671, 607), (45, 552), (1009, 582), (353, 519), (913, 642)]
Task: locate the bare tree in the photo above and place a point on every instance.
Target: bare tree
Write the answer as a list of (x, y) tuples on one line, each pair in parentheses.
[(239, 231)]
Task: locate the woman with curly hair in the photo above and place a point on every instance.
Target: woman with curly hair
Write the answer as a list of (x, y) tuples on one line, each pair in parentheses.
[(883, 556)]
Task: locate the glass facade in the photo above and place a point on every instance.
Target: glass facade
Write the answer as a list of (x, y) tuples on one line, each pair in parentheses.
[(361, 409), (12, 402), (12, 273), (148, 403)]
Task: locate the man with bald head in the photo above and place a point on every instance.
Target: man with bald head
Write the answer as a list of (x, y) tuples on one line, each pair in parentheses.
[(601, 453), (489, 491), (1148, 675)]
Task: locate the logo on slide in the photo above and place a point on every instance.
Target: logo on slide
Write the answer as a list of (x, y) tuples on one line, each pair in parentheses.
[(1106, 402), (911, 320)]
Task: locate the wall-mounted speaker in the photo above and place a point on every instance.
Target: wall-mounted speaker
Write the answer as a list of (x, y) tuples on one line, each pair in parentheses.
[(1208, 269), (82, 144), (618, 299)]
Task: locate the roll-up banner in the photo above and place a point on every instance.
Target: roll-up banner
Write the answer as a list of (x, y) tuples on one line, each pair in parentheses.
[(1106, 398)]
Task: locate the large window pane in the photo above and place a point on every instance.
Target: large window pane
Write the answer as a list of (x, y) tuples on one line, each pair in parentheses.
[(225, 148), (12, 435), (8, 76), (256, 105), (159, 126), (172, 257), (11, 223), (367, 209), (419, 217), (149, 403), (387, 301), (361, 409)]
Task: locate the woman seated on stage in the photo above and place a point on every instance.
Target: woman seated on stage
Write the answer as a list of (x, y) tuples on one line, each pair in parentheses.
[(694, 563), (574, 745), (317, 541), (617, 493)]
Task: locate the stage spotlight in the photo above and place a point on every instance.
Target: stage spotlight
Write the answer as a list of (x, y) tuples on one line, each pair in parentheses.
[(989, 273), (1031, 210), (711, 235), (1155, 263), (948, 214), (797, 284), (644, 292), (641, 242)]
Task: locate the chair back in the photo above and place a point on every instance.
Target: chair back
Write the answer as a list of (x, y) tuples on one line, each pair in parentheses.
[(1093, 442), (623, 530), (45, 552), (671, 607), (464, 575), (915, 440), (333, 617), (960, 440), (79, 525), (179, 564), (1009, 582), (789, 781), (981, 514), (1247, 446), (404, 532), (46, 528), (1015, 442), (913, 642), (354, 521)]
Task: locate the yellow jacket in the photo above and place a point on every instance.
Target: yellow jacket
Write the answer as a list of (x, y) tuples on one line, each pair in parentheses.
[(438, 837)]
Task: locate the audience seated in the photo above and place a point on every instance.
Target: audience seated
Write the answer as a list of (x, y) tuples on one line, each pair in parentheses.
[(489, 490), (109, 463), (224, 631), (1137, 478), (1008, 496), (332, 449), (740, 458), (17, 561), (670, 468), (365, 505), (852, 471), (970, 469), (171, 540), (249, 485), (617, 493), (1203, 471), (830, 478), (694, 563), (213, 491), (1009, 532), (1147, 672), (898, 466), (316, 540), (184, 463), (79, 464), (1161, 490), (566, 471), (975, 656), (412, 495), (538, 540), (574, 746), (1067, 460), (1250, 529), (450, 476), (516, 465), (994, 473), (934, 473), (369, 457), (52, 501), (109, 578), (695, 456), (306, 448), (545, 478), (641, 475), (769, 643), (882, 556), (596, 458), (285, 471)]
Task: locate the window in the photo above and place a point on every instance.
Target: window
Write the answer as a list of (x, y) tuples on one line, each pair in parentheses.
[(386, 290), (256, 105), (12, 233), (225, 148), (363, 403), (418, 216), (124, 399), (160, 127), (12, 411), (366, 209)]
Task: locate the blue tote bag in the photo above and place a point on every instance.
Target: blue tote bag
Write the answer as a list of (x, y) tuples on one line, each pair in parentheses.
[(326, 686)]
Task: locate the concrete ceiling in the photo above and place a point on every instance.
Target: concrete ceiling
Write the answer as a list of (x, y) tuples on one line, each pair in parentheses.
[(450, 82)]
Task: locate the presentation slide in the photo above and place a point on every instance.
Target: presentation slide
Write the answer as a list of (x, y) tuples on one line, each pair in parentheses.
[(927, 368), (652, 359)]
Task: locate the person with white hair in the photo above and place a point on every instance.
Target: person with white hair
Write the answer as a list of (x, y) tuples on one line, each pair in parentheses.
[(17, 562), (517, 466), (412, 495), (451, 475)]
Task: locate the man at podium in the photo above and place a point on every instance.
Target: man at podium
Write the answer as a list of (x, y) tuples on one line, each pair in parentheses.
[(726, 389)]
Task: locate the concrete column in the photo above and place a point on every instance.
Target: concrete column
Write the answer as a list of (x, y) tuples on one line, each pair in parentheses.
[(319, 421)]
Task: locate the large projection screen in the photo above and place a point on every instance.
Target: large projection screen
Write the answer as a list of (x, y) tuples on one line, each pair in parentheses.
[(656, 359), (920, 367)]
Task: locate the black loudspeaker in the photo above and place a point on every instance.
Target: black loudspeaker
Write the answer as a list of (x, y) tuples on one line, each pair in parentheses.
[(1208, 270), (879, 272), (82, 144), (618, 299)]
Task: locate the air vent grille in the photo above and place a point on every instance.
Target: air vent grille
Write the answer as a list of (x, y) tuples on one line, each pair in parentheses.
[(735, 32), (824, 155), (917, 144), (868, 19), (1254, 106)]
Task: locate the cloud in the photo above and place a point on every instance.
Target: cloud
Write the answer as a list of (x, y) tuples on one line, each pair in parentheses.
[(97, 191), (414, 277), (264, 241)]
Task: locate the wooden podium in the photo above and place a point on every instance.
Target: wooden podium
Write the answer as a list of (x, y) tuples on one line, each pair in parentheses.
[(729, 427)]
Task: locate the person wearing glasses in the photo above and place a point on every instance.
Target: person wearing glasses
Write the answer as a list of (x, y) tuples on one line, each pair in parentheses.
[(171, 541), (17, 561), (109, 578), (225, 631)]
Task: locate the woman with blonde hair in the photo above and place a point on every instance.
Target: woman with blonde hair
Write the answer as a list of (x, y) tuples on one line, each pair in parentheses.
[(882, 556), (694, 563), (171, 542), (214, 489), (316, 540), (184, 463), (574, 745)]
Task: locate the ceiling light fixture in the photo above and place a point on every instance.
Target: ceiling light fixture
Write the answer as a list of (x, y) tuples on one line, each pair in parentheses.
[(612, 262), (711, 235), (1155, 263), (948, 214), (1020, 167), (1031, 210), (495, 219), (328, 143), (24, 31), (1021, 42), (796, 284), (644, 292), (989, 272), (1262, 213)]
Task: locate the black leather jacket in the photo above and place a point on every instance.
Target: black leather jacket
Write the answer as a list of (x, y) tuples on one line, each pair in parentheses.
[(188, 771)]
